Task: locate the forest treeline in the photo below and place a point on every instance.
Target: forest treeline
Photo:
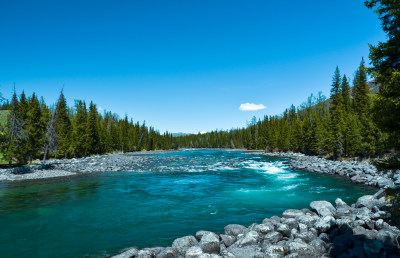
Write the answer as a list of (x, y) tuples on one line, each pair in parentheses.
[(342, 126), (37, 131), (351, 123)]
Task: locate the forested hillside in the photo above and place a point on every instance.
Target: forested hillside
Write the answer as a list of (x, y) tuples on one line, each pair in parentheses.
[(34, 130), (342, 126)]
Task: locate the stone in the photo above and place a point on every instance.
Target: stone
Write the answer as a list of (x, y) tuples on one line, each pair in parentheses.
[(307, 220), (359, 230), (307, 237), (298, 246), (341, 243), (291, 222), (387, 237), (273, 237), (275, 251), (210, 243), (324, 237), (181, 245), (371, 234), (385, 183), (194, 252), (379, 194), (323, 208), (199, 234), (228, 240), (366, 201), (284, 230), (251, 251), (292, 213), (345, 230), (167, 252), (303, 228), (127, 253), (379, 224), (374, 248), (324, 224), (341, 204), (235, 229), (319, 245), (264, 228), (250, 238), (145, 254)]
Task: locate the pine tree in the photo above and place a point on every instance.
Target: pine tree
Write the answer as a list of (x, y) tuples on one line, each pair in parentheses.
[(361, 98), (92, 133), (337, 118), (345, 90), (51, 140), (34, 128), (15, 133), (63, 127), (79, 129), (385, 58)]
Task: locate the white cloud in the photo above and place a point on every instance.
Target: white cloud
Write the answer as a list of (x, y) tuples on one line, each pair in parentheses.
[(251, 107), (100, 109), (202, 132)]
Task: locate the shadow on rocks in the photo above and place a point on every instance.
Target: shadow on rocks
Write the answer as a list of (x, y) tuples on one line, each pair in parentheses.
[(345, 244)]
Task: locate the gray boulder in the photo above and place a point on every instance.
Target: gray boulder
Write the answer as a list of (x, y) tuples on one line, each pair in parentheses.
[(366, 201), (235, 229), (199, 234), (323, 208), (146, 253), (181, 245), (284, 230), (264, 228), (228, 240), (168, 252), (292, 213), (387, 237), (325, 224), (273, 237), (250, 238), (194, 252), (275, 251), (251, 251), (359, 230), (341, 204), (374, 248), (307, 220), (303, 249), (210, 243), (127, 253)]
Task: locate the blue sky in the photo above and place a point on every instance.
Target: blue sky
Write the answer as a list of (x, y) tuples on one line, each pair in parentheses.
[(183, 66)]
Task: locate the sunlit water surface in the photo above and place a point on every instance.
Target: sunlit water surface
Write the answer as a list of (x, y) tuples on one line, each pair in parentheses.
[(173, 195)]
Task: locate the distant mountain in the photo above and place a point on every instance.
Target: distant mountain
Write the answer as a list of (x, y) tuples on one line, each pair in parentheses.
[(180, 134)]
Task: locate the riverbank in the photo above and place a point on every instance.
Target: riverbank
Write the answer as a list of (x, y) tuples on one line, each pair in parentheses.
[(357, 171), (76, 166), (359, 230)]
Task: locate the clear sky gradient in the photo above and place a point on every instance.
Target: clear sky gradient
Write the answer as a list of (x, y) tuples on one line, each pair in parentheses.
[(183, 66)]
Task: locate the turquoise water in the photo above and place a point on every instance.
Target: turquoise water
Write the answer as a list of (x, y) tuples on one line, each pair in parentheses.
[(181, 193)]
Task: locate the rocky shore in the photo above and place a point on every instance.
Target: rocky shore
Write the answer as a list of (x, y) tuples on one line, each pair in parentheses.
[(69, 167), (359, 230), (356, 171)]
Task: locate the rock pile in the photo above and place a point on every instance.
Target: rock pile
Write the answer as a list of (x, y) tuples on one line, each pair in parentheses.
[(357, 172), (359, 230)]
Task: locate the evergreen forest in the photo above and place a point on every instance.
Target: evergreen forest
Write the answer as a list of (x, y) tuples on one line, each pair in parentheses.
[(354, 121)]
